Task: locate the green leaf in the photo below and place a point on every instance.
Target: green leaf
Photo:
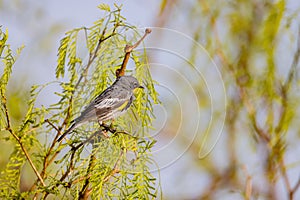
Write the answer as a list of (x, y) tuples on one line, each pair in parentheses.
[(62, 53), (104, 6), (10, 176), (3, 40)]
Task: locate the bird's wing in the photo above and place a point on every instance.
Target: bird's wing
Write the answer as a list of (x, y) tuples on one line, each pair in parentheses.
[(106, 105), (110, 107), (89, 112)]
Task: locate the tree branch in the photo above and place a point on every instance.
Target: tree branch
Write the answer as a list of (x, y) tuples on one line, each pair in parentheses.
[(294, 64), (84, 193), (114, 171), (293, 191), (92, 57), (8, 127), (128, 49)]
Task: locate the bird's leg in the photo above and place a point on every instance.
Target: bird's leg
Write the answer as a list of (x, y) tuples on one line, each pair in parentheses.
[(111, 127), (104, 132), (105, 129)]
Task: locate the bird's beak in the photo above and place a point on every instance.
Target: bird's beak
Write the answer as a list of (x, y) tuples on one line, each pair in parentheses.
[(141, 87)]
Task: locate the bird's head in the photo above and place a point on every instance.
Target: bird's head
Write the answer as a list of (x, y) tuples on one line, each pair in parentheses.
[(129, 82)]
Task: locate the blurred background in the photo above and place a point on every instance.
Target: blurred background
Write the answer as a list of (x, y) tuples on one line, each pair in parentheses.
[(227, 74)]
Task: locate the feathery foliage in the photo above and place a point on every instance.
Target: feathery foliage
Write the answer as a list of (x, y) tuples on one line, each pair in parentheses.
[(100, 167), (256, 45)]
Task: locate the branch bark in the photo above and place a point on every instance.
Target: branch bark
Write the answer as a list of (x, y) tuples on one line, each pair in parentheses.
[(128, 49), (8, 127)]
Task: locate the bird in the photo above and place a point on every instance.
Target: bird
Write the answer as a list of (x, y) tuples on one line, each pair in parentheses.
[(108, 105)]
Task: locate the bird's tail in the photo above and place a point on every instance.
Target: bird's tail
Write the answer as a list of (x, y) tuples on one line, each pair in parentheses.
[(72, 127)]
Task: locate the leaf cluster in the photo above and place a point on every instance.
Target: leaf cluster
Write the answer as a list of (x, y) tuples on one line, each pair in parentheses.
[(87, 164)]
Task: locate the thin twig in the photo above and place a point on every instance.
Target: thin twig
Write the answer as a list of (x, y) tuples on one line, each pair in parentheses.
[(252, 114), (91, 59), (84, 193), (294, 64), (296, 187), (71, 164), (69, 169), (284, 110), (286, 86), (285, 177), (128, 49), (19, 141), (51, 124), (114, 171), (46, 162), (248, 190), (115, 168)]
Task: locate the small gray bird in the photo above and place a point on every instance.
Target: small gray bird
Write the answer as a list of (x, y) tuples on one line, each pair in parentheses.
[(111, 103)]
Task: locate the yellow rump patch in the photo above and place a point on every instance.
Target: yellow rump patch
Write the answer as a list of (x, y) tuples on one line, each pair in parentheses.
[(123, 105)]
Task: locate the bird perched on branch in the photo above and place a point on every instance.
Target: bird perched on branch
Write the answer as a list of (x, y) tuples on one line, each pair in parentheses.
[(111, 103)]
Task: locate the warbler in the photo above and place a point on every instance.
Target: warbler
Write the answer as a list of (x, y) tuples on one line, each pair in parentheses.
[(111, 103)]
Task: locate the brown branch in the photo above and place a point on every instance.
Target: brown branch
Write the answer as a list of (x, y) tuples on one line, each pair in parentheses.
[(114, 171), (92, 57), (69, 169), (293, 191), (84, 193), (248, 189), (71, 165), (286, 86), (28, 158), (47, 162), (128, 49), (252, 114), (284, 110), (8, 127), (285, 178), (294, 64), (75, 148), (242, 92), (283, 114), (115, 168)]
